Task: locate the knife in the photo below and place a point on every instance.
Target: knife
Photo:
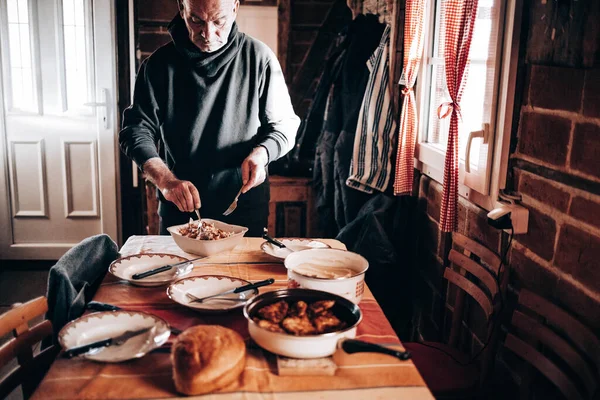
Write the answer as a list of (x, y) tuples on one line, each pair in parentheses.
[(250, 286), (99, 306), (273, 240), (158, 270), (115, 341)]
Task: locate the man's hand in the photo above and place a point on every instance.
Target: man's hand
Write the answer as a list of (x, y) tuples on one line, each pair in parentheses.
[(181, 193), (253, 168)]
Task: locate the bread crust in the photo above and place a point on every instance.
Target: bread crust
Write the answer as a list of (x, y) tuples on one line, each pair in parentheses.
[(206, 358)]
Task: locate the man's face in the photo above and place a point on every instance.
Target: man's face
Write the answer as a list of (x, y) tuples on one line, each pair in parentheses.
[(209, 21)]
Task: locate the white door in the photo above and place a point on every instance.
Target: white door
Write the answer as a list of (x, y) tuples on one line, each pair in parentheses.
[(57, 125)]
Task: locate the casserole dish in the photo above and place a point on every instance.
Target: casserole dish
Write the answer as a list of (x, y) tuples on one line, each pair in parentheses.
[(317, 345)]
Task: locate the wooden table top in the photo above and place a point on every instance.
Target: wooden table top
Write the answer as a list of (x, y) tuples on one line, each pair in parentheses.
[(358, 376)]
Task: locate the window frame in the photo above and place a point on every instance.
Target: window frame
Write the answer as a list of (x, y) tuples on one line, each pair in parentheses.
[(5, 63), (429, 159), (81, 110)]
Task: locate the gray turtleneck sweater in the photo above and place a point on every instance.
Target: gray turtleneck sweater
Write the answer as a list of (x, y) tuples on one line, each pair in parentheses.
[(209, 110)]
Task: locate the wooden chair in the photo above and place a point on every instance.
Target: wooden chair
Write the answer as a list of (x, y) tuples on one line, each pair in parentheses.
[(555, 344), (447, 370), (31, 368)]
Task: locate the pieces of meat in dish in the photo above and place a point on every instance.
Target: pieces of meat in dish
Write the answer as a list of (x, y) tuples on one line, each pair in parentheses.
[(205, 231), (327, 323), (298, 309), (274, 312), (298, 326), (319, 307), (268, 325), (300, 318)]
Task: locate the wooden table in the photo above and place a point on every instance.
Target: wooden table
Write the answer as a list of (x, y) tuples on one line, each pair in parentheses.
[(358, 376)]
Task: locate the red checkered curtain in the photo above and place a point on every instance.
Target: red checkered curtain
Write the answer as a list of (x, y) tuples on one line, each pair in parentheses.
[(413, 53), (459, 24)]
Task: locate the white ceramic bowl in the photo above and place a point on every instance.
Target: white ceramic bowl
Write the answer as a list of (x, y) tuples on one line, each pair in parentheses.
[(351, 287), (208, 247), (310, 346)]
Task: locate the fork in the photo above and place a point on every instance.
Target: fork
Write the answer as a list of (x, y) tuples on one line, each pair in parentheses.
[(233, 204), (198, 214), (200, 300)]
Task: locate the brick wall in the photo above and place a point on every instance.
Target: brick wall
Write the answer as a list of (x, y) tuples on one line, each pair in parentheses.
[(557, 170), (555, 165)]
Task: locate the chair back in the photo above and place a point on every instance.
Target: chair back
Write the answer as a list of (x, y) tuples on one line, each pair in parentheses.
[(30, 367), (556, 344), (474, 271)]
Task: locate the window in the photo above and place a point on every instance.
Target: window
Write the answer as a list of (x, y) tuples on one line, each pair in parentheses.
[(20, 81), (484, 103), (77, 54)]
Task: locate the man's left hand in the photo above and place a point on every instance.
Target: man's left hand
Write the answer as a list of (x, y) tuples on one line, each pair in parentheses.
[(254, 168)]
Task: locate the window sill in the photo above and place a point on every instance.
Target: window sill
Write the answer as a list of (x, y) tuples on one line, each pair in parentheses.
[(435, 171)]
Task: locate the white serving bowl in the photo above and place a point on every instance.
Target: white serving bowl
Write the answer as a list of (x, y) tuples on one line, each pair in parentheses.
[(208, 247), (351, 287)]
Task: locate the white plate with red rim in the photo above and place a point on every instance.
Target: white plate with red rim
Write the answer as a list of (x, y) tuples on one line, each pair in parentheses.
[(291, 246), (207, 285), (109, 324), (125, 267)]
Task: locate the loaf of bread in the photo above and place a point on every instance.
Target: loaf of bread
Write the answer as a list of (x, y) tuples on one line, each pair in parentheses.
[(206, 358)]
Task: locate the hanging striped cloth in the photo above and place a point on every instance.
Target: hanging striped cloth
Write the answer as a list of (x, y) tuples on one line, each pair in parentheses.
[(371, 167)]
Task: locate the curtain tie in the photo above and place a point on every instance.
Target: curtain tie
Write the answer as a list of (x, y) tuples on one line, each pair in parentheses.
[(450, 106), (406, 91)]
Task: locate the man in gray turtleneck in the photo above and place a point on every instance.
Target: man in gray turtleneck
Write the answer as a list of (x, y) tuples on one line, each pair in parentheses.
[(217, 101)]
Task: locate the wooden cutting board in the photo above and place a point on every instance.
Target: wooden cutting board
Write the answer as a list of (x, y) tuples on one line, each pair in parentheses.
[(311, 366)]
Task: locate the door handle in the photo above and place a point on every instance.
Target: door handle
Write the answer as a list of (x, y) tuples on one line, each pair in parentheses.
[(105, 104), (483, 133)]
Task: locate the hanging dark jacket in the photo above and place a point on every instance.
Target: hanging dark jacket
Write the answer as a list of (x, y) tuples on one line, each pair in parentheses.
[(338, 204), (303, 153)]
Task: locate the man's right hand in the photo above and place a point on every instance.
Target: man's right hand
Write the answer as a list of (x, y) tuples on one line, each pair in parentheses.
[(181, 193)]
